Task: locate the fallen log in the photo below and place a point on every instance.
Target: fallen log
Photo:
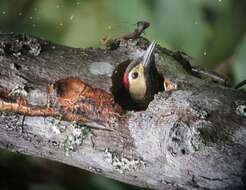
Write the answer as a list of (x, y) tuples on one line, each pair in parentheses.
[(191, 136)]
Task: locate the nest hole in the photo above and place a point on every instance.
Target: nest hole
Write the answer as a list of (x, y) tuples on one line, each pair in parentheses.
[(121, 95)]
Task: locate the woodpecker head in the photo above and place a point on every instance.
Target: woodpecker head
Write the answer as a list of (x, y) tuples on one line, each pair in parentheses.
[(139, 77)]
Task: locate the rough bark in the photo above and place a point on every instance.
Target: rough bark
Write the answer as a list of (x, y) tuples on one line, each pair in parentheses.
[(191, 136)]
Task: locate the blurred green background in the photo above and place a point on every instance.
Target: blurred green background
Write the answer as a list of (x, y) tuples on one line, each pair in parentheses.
[(212, 32)]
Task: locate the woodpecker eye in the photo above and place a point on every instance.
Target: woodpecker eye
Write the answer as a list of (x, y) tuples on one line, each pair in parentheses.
[(134, 75)]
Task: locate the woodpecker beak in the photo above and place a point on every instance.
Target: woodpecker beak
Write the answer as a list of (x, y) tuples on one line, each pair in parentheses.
[(147, 57)]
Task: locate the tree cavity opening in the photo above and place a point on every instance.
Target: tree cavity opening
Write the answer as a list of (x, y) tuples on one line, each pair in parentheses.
[(121, 95)]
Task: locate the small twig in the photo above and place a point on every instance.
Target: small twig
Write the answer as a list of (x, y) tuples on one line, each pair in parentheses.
[(114, 43), (239, 85), (141, 26)]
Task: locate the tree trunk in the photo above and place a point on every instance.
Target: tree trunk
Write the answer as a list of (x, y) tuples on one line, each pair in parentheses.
[(191, 136)]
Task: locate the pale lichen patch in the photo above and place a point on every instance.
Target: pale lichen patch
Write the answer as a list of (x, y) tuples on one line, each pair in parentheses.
[(18, 91), (121, 163), (34, 46), (38, 97), (101, 68), (56, 125), (241, 110), (95, 170), (75, 135), (201, 114), (17, 54), (129, 113)]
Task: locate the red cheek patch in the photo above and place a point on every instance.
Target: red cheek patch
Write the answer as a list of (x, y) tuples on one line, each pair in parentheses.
[(125, 81)]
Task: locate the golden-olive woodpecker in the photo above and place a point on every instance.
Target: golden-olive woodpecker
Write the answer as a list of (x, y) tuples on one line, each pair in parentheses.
[(141, 78)]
